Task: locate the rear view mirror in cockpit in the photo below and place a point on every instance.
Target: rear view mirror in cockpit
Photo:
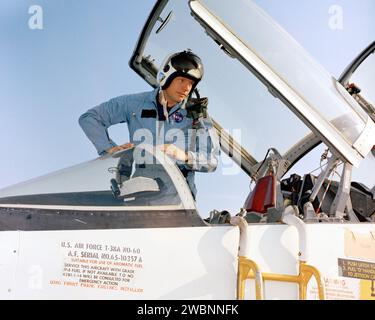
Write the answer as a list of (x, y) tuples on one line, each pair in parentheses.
[(134, 186)]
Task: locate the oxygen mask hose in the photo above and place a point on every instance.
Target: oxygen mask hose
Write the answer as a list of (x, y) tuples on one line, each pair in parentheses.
[(196, 109)]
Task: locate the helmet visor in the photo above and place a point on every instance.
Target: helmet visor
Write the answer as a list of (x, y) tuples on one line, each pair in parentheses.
[(188, 64)]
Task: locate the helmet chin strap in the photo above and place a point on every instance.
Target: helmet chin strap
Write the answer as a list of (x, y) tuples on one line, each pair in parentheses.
[(164, 103)]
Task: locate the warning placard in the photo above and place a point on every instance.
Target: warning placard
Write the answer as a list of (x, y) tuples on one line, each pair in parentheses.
[(99, 266), (356, 269)]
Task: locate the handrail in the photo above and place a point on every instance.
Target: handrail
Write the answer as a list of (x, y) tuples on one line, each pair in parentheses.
[(248, 269), (245, 266), (302, 279)]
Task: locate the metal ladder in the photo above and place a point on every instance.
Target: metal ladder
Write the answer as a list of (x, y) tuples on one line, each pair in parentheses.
[(249, 269)]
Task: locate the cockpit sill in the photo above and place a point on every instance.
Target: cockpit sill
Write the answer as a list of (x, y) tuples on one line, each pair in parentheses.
[(50, 218)]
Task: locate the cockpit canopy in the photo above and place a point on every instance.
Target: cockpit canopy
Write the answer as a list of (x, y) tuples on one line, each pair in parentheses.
[(134, 178), (286, 91)]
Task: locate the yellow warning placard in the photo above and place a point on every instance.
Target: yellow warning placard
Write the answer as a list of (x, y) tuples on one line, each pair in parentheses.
[(356, 269), (367, 290)]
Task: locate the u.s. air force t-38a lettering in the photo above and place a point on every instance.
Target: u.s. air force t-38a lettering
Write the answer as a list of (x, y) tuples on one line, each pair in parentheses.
[(88, 232)]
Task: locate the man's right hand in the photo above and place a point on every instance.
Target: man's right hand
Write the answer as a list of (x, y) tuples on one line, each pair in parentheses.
[(119, 148)]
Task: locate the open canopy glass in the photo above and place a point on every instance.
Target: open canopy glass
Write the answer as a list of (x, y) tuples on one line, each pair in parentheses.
[(254, 111)]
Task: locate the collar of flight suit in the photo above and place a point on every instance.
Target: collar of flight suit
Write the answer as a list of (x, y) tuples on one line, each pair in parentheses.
[(153, 97)]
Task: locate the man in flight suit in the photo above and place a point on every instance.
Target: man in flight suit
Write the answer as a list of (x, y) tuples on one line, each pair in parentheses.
[(161, 118)]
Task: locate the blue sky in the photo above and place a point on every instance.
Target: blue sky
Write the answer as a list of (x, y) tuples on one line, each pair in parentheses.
[(80, 58), (50, 76)]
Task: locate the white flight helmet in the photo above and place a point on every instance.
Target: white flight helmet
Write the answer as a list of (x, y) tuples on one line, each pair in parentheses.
[(181, 64)]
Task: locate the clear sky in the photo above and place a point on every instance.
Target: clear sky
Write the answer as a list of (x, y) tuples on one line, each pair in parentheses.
[(49, 76)]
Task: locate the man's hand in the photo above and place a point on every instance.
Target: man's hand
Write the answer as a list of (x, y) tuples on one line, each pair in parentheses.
[(173, 151), (119, 148)]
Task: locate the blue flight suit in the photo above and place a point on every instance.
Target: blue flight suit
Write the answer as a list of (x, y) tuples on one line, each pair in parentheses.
[(140, 112)]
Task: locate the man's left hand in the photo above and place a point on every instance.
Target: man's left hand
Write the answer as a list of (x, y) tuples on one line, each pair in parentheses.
[(175, 152)]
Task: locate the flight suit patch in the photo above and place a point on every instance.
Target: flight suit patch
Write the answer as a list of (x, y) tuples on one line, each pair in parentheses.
[(178, 117)]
